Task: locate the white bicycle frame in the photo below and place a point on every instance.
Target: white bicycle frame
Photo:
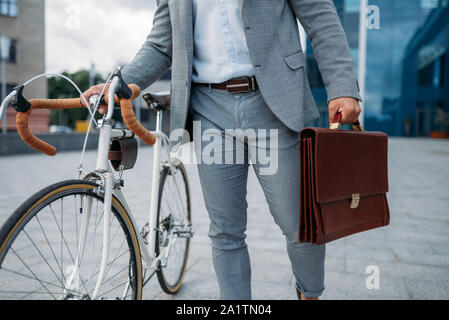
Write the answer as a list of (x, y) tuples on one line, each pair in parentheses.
[(110, 188), (103, 168)]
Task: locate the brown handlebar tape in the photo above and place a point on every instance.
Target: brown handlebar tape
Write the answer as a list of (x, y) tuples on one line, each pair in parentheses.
[(130, 119), (57, 104), (23, 118), (29, 138)]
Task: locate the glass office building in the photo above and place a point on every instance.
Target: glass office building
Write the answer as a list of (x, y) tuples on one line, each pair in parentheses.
[(407, 68)]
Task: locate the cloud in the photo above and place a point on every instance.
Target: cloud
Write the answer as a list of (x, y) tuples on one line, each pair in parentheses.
[(105, 33)]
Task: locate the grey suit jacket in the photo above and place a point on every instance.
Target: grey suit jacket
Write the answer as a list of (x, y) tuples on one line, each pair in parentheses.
[(275, 49)]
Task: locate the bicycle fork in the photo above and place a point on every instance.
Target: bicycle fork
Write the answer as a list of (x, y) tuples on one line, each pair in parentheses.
[(106, 231), (73, 282), (108, 180)]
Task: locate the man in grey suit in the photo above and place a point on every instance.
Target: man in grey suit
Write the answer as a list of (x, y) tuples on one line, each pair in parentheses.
[(237, 66)]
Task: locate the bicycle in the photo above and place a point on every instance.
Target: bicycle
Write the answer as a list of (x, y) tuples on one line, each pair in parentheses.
[(53, 245)]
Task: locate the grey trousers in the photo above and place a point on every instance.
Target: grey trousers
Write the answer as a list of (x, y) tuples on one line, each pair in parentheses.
[(227, 149)]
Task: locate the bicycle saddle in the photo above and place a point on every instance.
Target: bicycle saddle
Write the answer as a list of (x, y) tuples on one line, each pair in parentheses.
[(158, 101)]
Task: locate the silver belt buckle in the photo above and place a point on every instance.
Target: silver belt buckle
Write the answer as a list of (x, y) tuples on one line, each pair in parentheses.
[(252, 81), (232, 86), (250, 86)]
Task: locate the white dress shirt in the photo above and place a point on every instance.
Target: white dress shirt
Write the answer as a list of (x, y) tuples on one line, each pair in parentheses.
[(220, 49)]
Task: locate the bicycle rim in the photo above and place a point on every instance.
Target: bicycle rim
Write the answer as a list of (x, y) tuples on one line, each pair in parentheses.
[(170, 208)]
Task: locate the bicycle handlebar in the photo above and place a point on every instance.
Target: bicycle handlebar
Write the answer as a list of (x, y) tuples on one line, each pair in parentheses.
[(130, 118), (128, 115), (22, 120)]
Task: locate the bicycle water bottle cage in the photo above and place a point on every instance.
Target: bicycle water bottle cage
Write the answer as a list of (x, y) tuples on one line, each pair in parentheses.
[(123, 91), (21, 104)]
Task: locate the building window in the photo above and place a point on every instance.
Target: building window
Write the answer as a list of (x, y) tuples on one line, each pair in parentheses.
[(432, 4), (13, 52), (8, 8), (352, 6), (9, 87), (432, 75)]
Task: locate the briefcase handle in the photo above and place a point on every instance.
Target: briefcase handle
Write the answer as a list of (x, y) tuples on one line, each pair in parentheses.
[(336, 124)]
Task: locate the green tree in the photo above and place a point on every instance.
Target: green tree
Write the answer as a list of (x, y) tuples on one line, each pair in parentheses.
[(59, 88)]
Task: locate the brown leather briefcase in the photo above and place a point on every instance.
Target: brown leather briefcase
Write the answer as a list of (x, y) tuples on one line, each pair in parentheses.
[(344, 182)]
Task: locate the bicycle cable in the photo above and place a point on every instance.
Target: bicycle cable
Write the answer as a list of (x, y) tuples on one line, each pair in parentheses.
[(65, 78), (97, 104)]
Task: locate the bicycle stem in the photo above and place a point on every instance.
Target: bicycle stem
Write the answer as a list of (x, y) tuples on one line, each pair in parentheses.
[(105, 131)]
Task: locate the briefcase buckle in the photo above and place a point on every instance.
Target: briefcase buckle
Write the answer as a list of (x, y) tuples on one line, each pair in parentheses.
[(335, 126), (355, 201)]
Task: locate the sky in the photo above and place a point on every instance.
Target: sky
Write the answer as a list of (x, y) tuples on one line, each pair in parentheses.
[(105, 33)]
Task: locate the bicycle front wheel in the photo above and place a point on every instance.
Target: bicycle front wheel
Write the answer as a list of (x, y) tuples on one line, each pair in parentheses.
[(43, 255), (174, 227)]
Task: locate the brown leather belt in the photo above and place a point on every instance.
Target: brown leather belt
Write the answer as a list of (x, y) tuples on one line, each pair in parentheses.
[(238, 85)]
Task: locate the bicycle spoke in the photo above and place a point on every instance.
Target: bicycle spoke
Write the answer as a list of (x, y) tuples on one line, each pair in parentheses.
[(26, 266), (62, 229), (115, 275), (27, 293), (97, 272), (168, 203), (76, 225), (39, 280), (93, 236), (40, 253), (181, 209), (115, 287), (97, 264), (64, 240), (95, 229), (51, 248), (115, 257)]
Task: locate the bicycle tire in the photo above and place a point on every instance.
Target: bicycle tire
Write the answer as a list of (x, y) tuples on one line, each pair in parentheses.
[(15, 226), (173, 287)]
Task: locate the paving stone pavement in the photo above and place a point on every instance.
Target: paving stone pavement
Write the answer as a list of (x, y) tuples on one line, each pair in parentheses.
[(412, 254)]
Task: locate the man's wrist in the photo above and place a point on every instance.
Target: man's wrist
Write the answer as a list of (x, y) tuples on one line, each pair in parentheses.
[(347, 89)]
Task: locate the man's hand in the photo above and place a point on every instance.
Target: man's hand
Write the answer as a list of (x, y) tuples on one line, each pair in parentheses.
[(96, 90), (348, 107)]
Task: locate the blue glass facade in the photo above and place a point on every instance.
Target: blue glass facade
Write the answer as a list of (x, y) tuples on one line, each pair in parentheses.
[(407, 71)]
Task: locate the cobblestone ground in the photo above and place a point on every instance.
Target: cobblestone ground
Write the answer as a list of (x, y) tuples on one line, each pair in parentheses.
[(412, 254)]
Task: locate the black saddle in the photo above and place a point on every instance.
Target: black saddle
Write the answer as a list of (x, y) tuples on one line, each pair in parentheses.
[(158, 101)]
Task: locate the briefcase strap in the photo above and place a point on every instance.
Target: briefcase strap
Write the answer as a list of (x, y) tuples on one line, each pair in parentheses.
[(336, 124)]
